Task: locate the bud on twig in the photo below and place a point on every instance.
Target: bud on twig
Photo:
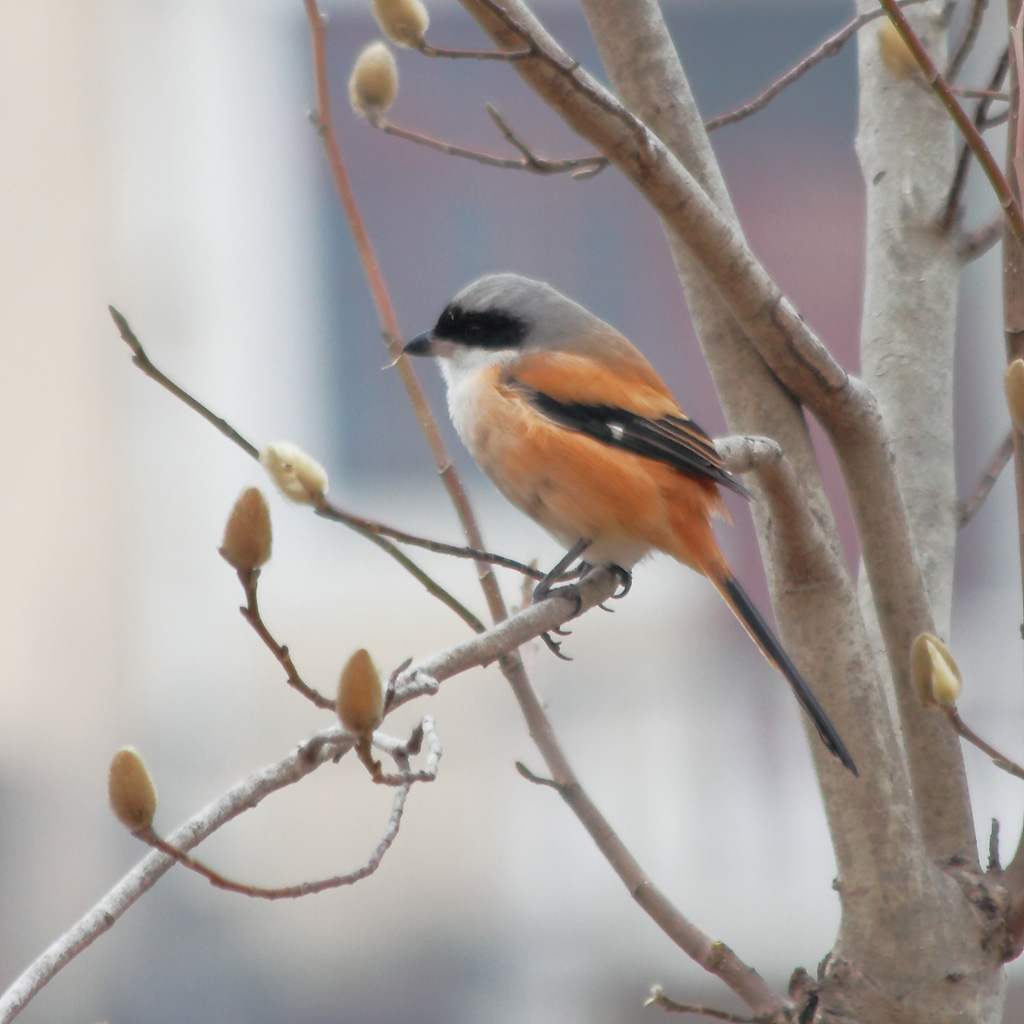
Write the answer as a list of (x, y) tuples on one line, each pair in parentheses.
[(402, 21), (933, 672), (360, 703), (131, 791), (247, 536), (374, 82), (1013, 384), (297, 475), (895, 53)]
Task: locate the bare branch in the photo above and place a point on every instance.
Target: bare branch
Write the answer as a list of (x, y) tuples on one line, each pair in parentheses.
[(141, 360), (993, 847), (385, 308), (963, 161), (577, 167), (375, 532), (658, 998), (829, 48), (976, 244), (249, 579), (972, 506), (966, 44), (537, 780), (322, 747), (1010, 206), (501, 55), (402, 782), (962, 729), (220, 881)]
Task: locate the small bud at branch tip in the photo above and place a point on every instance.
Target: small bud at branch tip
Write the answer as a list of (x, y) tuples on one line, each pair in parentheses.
[(403, 21), (895, 53), (360, 703), (933, 672), (247, 536), (1013, 384), (298, 476), (373, 86), (131, 791)]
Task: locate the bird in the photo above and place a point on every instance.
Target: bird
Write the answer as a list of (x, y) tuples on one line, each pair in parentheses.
[(576, 429)]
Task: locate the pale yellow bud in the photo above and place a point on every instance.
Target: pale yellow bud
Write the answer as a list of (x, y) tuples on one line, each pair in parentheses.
[(1013, 384), (933, 672), (247, 537), (297, 475), (360, 702), (131, 791), (374, 82), (402, 21), (895, 53)]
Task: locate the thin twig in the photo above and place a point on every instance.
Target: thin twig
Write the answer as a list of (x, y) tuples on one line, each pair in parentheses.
[(141, 360), (980, 94), (974, 245), (245, 795), (994, 122), (249, 578), (995, 465), (333, 512), (582, 167), (829, 48), (963, 48), (1007, 202), (537, 780), (530, 162), (658, 998), (963, 161), (993, 847), (454, 54), (385, 308), (963, 730), (289, 892), (376, 533), (402, 782)]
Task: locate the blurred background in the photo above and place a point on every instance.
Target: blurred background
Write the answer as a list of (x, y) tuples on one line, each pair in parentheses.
[(157, 155)]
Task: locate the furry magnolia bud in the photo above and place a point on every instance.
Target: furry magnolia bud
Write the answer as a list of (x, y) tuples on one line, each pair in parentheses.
[(402, 21), (1013, 384), (360, 701), (895, 53), (374, 82), (131, 791), (298, 476), (933, 672), (247, 536)]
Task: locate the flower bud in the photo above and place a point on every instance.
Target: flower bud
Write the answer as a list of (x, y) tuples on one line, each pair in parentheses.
[(895, 53), (297, 475), (1013, 384), (360, 701), (402, 21), (247, 536), (374, 82), (131, 791), (933, 672)]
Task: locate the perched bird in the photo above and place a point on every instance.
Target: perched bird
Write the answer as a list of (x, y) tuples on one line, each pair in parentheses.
[(575, 428)]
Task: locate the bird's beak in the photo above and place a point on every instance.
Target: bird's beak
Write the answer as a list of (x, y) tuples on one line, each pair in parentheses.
[(421, 345)]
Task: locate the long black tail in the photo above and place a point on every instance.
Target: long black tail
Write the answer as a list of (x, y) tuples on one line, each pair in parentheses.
[(760, 632)]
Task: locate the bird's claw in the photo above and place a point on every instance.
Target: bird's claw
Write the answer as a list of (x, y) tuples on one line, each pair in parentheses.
[(554, 646), (625, 578)]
